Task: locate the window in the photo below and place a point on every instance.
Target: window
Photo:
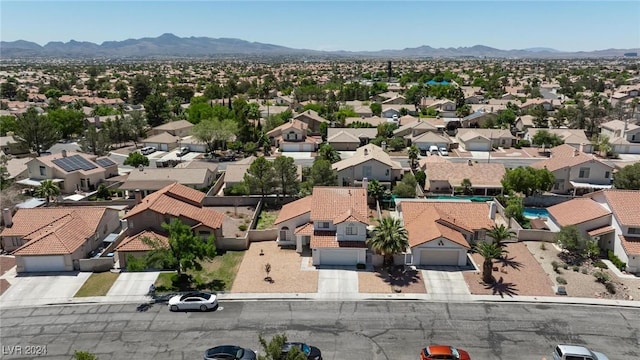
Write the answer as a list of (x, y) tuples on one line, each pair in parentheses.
[(43, 171), (352, 229), (607, 175), (366, 172), (204, 233), (323, 225), (82, 183), (634, 230), (584, 172)]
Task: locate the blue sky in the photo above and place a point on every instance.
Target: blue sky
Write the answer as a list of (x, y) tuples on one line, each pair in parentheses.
[(335, 25)]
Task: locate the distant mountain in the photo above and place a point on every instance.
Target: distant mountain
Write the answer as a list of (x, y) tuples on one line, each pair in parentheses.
[(169, 45)]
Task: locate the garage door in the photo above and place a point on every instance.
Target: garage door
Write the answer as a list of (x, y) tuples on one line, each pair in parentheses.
[(477, 146), (442, 257), (43, 263), (338, 257)]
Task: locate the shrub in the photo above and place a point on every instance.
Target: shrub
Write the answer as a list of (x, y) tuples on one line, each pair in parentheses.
[(585, 271), (543, 246), (360, 266), (565, 266), (524, 143), (555, 265), (576, 268), (600, 264), (616, 261), (611, 288), (601, 276), (560, 280), (242, 227)]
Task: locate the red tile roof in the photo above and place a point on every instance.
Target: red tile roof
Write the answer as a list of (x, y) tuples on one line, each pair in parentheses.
[(565, 156), (179, 201), (135, 243), (577, 211), (332, 203), (294, 209), (630, 244), (306, 229), (327, 239), (625, 205)]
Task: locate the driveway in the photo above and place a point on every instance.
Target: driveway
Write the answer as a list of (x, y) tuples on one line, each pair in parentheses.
[(42, 289), (337, 283), (132, 284), (446, 283)]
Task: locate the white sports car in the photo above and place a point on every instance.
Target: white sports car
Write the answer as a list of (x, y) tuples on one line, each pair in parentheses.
[(193, 301)]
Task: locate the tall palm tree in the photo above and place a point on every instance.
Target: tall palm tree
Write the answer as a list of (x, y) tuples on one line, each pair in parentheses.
[(390, 238), (501, 233), (413, 155), (375, 190), (488, 251), (466, 186), (47, 189)]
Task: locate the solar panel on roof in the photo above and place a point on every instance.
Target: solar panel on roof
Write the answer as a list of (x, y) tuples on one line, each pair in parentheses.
[(73, 163), (104, 162)]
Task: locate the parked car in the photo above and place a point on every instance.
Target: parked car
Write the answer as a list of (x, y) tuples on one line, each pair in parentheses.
[(445, 352), (183, 151), (433, 150), (444, 152), (147, 150), (312, 352), (576, 352), (193, 301), (229, 352)]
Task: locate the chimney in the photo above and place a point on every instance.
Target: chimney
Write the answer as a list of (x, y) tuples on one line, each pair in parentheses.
[(576, 152), (138, 196), (469, 162), (7, 217), (384, 145), (492, 210), (365, 183), (64, 153), (366, 152), (582, 147)]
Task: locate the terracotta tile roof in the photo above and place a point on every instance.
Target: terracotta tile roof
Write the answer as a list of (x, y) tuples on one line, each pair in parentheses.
[(351, 215), (327, 239), (601, 230), (294, 209), (625, 205), (631, 245), (364, 154), (306, 229), (179, 201), (330, 203), (135, 243), (480, 174), (175, 125), (294, 123), (426, 221), (30, 222), (577, 211), (565, 156)]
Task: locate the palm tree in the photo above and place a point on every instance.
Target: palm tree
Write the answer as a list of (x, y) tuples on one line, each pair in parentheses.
[(47, 189), (466, 186), (375, 190), (390, 238), (500, 234), (488, 251), (413, 155)]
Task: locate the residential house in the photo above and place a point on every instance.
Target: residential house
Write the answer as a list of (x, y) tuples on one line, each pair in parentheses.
[(625, 207), (135, 246), (179, 128), (624, 137), (71, 171), (389, 110), (574, 171), (162, 142), (349, 139), (312, 119), (445, 177), (148, 180), (574, 137), (385, 96), (99, 121), (292, 136), (441, 233), (478, 119), (443, 105), (484, 139), (56, 238), (396, 100), (234, 173), (531, 103), (374, 121), (592, 220), (415, 128), (174, 201), (332, 222), (524, 123), (10, 146), (369, 162)]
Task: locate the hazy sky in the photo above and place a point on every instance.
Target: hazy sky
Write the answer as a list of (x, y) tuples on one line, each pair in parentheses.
[(335, 25)]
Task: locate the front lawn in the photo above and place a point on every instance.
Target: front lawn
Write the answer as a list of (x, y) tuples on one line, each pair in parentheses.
[(98, 284), (266, 220), (216, 275)]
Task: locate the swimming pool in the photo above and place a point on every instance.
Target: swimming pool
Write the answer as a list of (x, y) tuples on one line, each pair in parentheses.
[(533, 213)]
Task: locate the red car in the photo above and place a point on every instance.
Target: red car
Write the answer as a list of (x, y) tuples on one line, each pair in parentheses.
[(443, 352)]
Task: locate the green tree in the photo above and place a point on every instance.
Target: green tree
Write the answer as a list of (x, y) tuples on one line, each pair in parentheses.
[(8, 90), (327, 152), (601, 144), (8, 123), (322, 174), (421, 178), (186, 250), (140, 89), (136, 127), (95, 142), (545, 138), (540, 116), (261, 177), (591, 249), (4, 173), (103, 193), (628, 177), (528, 180), (272, 350), (183, 93), (376, 108), (467, 187), (500, 233), (514, 209), (36, 132), (413, 153), (214, 132), (84, 355), (375, 190), (287, 175), (157, 109), (488, 251), (569, 238), (136, 159), (47, 190), (389, 238), (406, 188), (67, 121)]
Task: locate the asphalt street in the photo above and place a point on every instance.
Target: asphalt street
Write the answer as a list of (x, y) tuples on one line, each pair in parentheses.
[(342, 330)]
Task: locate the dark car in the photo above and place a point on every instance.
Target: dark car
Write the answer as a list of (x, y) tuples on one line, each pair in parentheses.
[(229, 352), (312, 352)]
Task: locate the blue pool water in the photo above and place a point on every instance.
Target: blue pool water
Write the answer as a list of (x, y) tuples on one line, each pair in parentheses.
[(535, 213)]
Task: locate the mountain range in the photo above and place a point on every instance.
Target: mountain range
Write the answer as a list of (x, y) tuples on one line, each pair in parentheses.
[(169, 45)]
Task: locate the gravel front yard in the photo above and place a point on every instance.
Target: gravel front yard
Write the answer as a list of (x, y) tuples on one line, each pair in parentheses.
[(381, 282), (580, 284)]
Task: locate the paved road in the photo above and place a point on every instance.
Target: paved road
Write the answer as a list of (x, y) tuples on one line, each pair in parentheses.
[(343, 330)]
